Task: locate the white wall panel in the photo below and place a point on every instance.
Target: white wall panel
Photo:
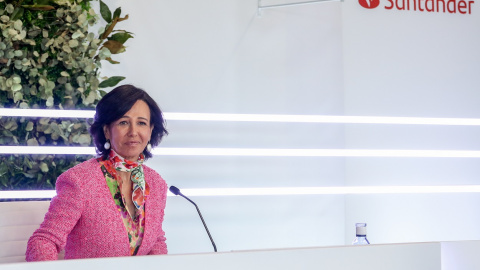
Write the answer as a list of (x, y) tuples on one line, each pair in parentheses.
[(254, 222), (401, 218), (419, 64), (218, 56), (411, 63)]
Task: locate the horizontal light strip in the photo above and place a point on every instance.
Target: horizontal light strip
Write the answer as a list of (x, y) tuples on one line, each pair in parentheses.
[(47, 113), (258, 117), (322, 119), (252, 152), (45, 150), (314, 152), (329, 190), (44, 194), (27, 194)]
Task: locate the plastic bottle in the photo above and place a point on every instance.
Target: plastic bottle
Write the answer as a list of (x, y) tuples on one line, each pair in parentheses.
[(361, 234)]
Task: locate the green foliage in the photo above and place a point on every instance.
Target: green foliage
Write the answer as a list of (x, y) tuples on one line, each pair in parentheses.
[(50, 59), (34, 171), (112, 81), (105, 12)]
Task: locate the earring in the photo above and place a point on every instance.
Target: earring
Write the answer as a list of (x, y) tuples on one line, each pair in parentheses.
[(149, 147), (107, 145)]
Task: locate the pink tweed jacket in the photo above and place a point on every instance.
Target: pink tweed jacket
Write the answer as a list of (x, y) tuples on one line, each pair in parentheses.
[(83, 218)]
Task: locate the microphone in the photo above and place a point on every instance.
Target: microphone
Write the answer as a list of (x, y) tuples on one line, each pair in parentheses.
[(176, 191)]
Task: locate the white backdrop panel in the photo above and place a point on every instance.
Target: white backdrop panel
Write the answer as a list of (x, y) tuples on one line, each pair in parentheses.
[(218, 56), (254, 222), (411, 63), (401, 218), (419, 64)]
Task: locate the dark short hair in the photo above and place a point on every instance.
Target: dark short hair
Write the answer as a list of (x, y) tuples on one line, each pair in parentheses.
[(115, 105)]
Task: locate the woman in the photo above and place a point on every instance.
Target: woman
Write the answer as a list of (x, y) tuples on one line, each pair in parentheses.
[(112, 205)]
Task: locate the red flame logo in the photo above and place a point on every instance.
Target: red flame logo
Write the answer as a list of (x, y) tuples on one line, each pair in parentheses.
[(369, 3)]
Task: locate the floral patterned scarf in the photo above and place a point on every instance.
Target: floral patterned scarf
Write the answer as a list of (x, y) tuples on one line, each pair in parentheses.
[(134, 222), (138, 179)]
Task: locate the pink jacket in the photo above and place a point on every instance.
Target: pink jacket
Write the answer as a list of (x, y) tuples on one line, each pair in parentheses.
[(83, 218)]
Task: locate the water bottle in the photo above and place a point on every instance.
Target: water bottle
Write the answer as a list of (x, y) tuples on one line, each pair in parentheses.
[(361, 234)]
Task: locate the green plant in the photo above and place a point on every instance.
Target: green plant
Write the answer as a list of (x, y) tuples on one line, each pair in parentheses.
[(50, 59)]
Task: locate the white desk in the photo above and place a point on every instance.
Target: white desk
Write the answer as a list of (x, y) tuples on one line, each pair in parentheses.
[(461, 255), (421, 256)]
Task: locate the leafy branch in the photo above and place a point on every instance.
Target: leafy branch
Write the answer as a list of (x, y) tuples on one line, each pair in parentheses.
[(50, 59)]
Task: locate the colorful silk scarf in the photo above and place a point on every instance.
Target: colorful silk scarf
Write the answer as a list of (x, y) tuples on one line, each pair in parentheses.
[(138, 178), (134, 222)]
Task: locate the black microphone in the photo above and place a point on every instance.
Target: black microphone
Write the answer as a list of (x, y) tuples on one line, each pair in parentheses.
[(176, 191)]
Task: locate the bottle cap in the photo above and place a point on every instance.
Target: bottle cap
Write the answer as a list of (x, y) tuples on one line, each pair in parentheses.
[(361, 229)]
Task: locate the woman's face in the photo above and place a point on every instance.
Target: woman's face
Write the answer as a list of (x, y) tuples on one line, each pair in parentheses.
[(130, 134)]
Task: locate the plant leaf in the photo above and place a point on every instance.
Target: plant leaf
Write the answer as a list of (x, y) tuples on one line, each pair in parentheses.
[(112, 81), (121, 37), (117, 12), (44, 167), (105, 11), (17, 13)]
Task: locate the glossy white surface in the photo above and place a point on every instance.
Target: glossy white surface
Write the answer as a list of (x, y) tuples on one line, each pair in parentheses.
[(419, 256)]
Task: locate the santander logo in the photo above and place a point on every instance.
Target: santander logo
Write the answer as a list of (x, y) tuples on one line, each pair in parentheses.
[(369, 3), (434, 6)]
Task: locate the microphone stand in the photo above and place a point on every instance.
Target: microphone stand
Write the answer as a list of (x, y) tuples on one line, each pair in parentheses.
[(200, 214)]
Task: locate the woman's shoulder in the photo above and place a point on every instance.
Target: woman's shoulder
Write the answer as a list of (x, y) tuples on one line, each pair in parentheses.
[(91, 163), (83, 170)]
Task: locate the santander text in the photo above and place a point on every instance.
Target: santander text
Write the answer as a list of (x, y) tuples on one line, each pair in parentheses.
[(450, 6)]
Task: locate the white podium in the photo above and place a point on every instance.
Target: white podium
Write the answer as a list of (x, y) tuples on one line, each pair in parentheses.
[(456, 255), (421, 256)]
